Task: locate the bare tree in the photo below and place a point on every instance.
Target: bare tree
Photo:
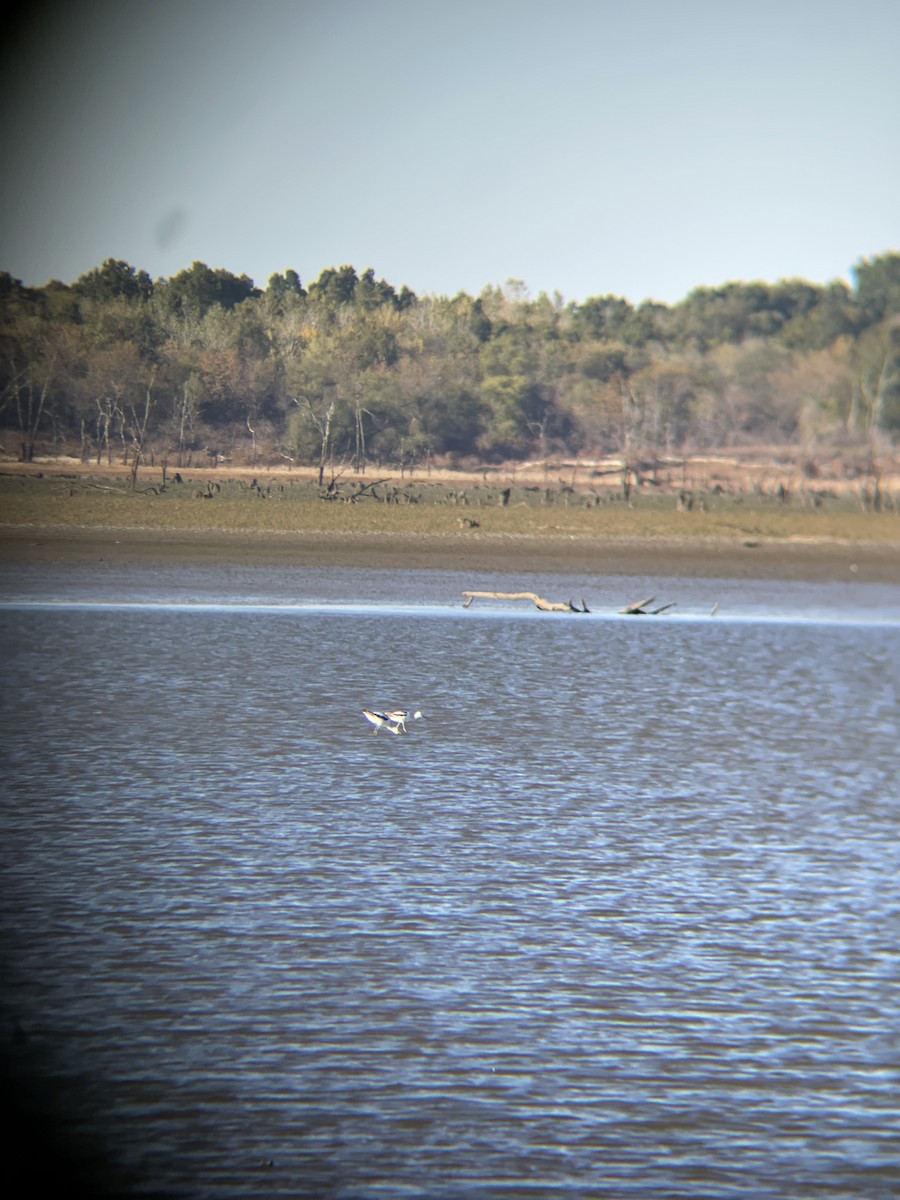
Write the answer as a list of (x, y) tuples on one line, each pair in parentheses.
[(322, 423), (140, 419)]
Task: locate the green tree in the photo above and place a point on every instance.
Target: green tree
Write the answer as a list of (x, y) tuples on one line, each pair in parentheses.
[(195, 291), (660, 409), (32, 350), (876, 382), (877, 287), (601, 318), (833, 316), (749, 406), (373, 293), (114, 279), (514, 415), (283, 292), (334, 287), (106, 393), (818, 386)]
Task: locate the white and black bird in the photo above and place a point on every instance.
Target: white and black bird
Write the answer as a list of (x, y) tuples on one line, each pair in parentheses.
[(399, 717), (394, 719), (380, 720)]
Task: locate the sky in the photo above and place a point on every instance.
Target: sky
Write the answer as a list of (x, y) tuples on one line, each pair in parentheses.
[(639, 148)]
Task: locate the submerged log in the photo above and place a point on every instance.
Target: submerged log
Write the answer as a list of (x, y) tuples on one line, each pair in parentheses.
[(639, 608), (538, 601)]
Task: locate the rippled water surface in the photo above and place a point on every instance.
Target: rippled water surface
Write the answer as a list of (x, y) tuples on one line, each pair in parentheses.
[(618, 916)]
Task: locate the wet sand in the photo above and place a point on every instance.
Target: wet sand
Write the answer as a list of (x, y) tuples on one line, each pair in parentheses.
[(473, 552)]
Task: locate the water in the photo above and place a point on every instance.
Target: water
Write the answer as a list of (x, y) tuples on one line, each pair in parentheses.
[(619, 916)]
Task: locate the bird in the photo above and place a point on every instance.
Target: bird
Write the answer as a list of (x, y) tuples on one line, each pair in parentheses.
[(398, 716), (380, 720)]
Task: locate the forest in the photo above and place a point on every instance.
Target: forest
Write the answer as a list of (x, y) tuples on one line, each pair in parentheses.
[(351, 369)]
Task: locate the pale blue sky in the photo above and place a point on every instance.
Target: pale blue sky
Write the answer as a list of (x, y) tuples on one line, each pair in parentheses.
[(639, 147)]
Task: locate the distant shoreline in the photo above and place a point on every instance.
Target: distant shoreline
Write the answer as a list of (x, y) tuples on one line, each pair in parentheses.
[(471, 553)]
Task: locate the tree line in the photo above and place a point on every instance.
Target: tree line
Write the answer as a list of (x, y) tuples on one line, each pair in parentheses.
[(353, 369)]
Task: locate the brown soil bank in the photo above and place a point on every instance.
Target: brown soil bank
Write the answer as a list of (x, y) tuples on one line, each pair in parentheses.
[(473, 552)]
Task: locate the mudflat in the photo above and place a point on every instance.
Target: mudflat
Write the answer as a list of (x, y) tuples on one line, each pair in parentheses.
[(473, 551)]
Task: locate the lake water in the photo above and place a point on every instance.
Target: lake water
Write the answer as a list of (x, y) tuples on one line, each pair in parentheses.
[(619, 916)]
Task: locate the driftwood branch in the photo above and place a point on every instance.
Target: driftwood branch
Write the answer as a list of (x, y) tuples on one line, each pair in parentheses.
[(640, 608), (538, 601)]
